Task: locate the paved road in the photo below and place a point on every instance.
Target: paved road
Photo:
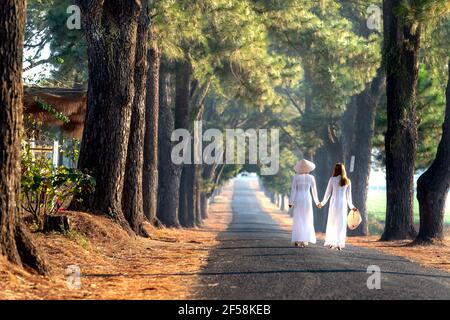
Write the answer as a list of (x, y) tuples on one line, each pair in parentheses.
[(255, 260)]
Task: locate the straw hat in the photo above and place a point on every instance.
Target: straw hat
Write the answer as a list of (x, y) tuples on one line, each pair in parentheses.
[(353, 219), (304, 166)]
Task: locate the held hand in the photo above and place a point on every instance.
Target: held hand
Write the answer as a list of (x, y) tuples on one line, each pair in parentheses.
[(319, 206), (355, 209)]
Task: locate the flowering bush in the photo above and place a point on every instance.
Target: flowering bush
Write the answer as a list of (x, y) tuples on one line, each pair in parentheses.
[(44, 189)]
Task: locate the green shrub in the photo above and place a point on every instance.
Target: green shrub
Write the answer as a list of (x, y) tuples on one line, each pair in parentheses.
[(44, 189)]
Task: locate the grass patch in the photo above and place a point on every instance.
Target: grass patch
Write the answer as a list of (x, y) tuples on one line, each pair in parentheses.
[(78, 238), (376, 207)]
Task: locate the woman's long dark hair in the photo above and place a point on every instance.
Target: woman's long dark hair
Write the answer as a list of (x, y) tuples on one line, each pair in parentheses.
[(339, 170)]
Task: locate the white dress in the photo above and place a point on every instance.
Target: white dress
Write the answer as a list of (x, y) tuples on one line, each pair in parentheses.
[(341, 197), (300, 199)]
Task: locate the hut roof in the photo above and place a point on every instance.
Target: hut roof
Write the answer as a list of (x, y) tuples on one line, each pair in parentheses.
[(67, 101)]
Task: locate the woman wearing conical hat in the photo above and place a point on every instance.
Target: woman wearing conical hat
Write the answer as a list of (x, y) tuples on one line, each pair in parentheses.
[(303, 185)]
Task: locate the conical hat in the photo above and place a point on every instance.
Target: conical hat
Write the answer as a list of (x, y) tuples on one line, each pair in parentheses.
[(304, 166), (354, 219)]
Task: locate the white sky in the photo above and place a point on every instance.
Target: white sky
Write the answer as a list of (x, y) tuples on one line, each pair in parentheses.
[(39, 71)]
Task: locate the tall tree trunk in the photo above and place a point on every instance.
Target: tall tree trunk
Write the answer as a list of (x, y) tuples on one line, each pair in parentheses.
[(218, 173), (334, 148), (318, 157), (183, 82), (204, 205), (133, 202), (169, 173), (189, 194), (183, 214), (361, 148), (192, 172), (150, 177), (15, 241), (208, 177), (283, 203), (433, 185), (111, 30), (308, 95), (401, 58), (198, 193), (198, 169), (190, 191), (182, 115)]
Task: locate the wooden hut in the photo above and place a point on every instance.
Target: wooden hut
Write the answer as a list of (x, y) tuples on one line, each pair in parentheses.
[(69, 102)]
